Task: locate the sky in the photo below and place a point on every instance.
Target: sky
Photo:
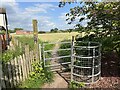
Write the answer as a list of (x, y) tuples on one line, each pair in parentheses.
[(48, 15)]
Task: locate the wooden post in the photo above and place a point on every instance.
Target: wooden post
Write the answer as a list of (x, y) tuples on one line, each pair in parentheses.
[(25, 67), (27, 58), (0, 63), (36, 47), (10, 74)]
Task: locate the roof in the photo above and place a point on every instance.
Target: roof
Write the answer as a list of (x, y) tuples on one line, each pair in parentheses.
[(2, 11)]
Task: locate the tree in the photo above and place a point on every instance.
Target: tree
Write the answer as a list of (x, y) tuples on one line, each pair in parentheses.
[(40, 32), (104, 21), (11, 31), (55, 30), (103, 14), (15, 29)]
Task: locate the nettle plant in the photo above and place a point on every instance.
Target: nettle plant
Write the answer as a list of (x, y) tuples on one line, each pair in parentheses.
[(40, 73), (76, 85)]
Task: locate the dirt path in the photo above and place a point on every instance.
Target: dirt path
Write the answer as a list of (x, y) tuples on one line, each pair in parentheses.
[(58, 82)]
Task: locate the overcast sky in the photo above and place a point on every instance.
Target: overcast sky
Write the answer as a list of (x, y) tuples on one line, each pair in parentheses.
[(48, 14)]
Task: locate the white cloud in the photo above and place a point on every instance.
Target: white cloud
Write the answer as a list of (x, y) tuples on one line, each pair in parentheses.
[(22, 17), (40, 8), (18, 17), (63, 16), (7, 0)]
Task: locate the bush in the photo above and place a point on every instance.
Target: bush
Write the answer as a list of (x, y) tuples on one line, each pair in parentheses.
[(38, 77), (11, 54), (109, 43), (27, 41), (76, 85)]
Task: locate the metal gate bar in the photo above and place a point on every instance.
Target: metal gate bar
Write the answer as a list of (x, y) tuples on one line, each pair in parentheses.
[(60, 57), (91, 73)]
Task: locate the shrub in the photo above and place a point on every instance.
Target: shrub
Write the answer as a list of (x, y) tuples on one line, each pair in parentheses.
[(38, 77), (76, 85)]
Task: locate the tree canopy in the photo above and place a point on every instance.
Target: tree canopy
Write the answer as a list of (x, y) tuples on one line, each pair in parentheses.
[(103, 19), (105, 15)]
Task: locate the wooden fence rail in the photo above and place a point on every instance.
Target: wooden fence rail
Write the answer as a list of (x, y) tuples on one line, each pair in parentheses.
[(17, 70)]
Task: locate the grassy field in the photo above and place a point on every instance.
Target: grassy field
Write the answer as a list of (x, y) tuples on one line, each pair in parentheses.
[(53, 37)]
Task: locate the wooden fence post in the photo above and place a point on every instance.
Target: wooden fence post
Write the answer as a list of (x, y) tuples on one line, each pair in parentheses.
[(36, 47), (14, 72), (10, 74), (0, 63), (24, 65), (27, 58), (19, 67), (23, 69)]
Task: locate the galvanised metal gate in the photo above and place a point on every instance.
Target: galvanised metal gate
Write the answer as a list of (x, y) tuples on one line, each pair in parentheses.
[(51, 57), (84, 59)]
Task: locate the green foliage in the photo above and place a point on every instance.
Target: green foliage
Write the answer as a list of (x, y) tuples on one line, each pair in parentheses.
[(38, 77), (25, 40), (11, 31), (103, 20), (2, 32), (55, 30), (76, 85), (40, 32), (15, 29), (109, 43), (11, 54)]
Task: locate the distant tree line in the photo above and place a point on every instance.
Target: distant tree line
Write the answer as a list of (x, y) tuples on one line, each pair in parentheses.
[(15, 29), (56, 30)]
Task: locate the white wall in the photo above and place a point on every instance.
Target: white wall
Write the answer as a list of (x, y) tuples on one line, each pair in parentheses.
[(2, 20)]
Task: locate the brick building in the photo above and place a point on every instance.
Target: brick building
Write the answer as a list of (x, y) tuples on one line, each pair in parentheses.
[(19, 32)]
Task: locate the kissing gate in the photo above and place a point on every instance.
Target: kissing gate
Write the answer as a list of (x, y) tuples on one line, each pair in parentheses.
[(83, 59)]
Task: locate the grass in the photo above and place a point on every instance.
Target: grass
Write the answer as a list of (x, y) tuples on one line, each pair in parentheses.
[(52, 37), (40, 77)]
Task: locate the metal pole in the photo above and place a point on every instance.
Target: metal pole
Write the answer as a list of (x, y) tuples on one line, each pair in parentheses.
[(43, 54), (100, 60), (40, 52), (93, 65), (72, 57)]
